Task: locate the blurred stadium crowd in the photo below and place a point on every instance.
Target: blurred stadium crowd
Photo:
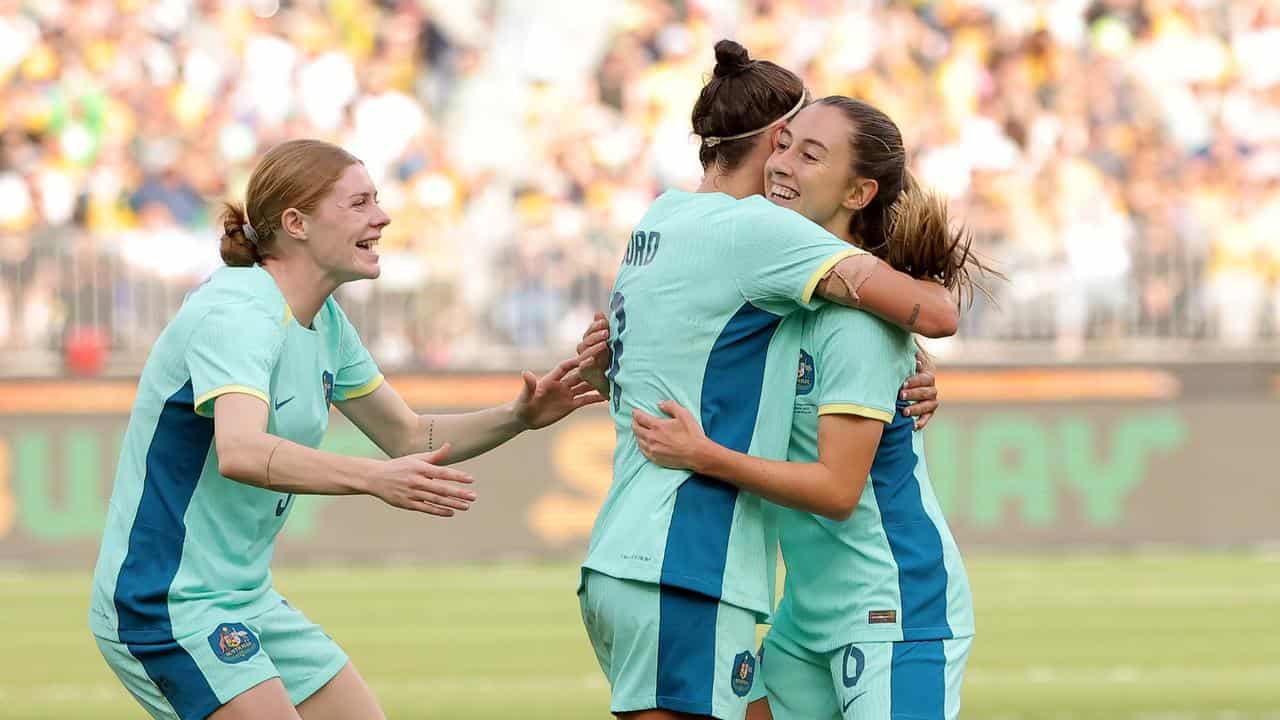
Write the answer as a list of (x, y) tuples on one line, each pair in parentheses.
[(1118, 159)]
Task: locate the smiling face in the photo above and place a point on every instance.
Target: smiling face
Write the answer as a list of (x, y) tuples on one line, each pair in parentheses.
[(811, 169), (342, 233)]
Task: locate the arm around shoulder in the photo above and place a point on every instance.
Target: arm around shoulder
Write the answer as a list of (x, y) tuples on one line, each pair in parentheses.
[(866, 282)]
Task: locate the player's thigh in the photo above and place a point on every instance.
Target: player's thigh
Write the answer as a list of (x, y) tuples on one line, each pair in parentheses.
[(265, 701), (900, 681), (345, 697), (306, 658), (795, 682)]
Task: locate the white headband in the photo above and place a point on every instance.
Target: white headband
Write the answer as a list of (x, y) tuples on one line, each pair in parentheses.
[(713, 141), (250, 233)]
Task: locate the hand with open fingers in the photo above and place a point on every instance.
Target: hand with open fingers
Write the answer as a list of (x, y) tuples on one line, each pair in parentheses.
[(921, 390), (675, 442), (594, 355), (544, 400), (417, 482), (597, 332)]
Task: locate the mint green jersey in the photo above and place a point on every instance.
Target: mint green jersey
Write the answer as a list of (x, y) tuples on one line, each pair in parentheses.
[(182, 543), (705, 282), (890, 572)]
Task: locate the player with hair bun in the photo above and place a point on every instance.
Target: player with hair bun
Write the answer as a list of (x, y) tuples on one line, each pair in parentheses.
[(876, 619), (680, 566)]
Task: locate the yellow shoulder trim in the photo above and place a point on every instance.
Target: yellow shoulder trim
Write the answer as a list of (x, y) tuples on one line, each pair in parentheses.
[(825, 268), (288, 314), (364, 389), (202, 411), (852, 409)]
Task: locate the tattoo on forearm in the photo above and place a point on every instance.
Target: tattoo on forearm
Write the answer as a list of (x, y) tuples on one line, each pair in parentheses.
[(915, 315), (431, 432)]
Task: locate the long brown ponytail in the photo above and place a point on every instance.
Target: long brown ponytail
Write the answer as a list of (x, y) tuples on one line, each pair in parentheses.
[(905, 224), (923, 243)]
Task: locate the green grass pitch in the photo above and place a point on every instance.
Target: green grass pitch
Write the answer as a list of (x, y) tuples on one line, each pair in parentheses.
[(1106, 637)]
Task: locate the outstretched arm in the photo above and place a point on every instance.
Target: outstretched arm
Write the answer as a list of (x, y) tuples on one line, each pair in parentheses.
[(830, 487), (389, 421), (866, 282), (247, 453)]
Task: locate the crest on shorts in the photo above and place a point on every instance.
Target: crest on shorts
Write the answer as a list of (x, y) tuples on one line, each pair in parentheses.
[(744, 672), (326, 379), (233, 643), (805, 374)]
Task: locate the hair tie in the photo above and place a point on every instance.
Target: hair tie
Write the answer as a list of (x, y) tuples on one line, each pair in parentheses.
[(250, 233), (740, 69), (712, 141)]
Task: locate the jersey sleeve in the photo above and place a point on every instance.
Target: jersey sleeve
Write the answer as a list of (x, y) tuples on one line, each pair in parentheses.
[(861, 364), (233, 350), (357, 374), (779, 257)]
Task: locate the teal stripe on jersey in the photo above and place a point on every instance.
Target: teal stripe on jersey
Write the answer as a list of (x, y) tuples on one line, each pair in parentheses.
[(911, 534), (174, 463), (698, 537)]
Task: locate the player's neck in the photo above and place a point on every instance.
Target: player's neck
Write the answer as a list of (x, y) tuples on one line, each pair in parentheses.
[(305, 287), (838, 225), (734, 184)]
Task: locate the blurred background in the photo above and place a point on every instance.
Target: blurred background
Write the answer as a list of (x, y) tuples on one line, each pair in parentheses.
[(1120, 159), (1106, 452)]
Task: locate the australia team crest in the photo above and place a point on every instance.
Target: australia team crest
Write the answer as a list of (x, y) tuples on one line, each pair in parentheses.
[(805, 374), (744, 672), (233, 643)]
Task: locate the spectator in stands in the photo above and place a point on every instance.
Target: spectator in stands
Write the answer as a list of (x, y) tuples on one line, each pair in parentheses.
[(1119, 156)]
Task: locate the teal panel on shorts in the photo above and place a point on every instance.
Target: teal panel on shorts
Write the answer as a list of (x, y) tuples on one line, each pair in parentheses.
[(305, 656), (957, 654), (231, 657), (918, 680), (796, 681), (705, 666)]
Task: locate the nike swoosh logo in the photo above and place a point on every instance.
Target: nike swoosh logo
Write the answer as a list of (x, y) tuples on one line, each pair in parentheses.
[(282, 403), (282, 505), (850, 701)]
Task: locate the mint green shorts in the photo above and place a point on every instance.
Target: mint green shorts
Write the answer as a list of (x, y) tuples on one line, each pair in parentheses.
[(663, 647), (917, 680), (189, 677)]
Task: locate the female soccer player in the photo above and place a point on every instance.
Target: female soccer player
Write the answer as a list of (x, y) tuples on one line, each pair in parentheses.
[(680, 567), (876, 620), (231, 405)]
